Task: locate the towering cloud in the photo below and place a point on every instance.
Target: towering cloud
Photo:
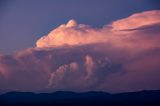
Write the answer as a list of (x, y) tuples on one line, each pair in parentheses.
[(123, 56), (71, 33)]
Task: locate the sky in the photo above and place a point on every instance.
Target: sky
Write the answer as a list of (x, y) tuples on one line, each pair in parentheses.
[(103, 45), (22, 22)]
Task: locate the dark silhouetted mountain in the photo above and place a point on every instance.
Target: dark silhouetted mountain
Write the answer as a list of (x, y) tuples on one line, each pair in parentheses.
[(147, 98)]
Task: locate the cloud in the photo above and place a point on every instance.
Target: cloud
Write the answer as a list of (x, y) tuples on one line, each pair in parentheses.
[(119, 57), (71, 33), (138, 20), (53, 69)]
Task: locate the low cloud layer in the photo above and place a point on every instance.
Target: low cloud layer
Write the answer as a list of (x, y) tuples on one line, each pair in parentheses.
[(120, 57)]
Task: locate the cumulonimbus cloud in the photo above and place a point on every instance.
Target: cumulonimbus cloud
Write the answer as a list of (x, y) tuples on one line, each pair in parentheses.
[(73, 33), (123, 56)]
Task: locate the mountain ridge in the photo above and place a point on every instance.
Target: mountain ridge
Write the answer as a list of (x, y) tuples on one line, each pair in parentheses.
[(147, 98)]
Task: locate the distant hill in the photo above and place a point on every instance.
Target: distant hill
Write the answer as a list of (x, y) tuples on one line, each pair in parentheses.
[(146, 98)]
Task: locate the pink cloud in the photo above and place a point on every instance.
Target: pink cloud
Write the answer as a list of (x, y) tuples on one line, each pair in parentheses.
[(138, 20), (78, 57)]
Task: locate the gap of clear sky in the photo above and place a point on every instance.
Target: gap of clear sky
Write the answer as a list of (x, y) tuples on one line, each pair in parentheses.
[(22, 22)]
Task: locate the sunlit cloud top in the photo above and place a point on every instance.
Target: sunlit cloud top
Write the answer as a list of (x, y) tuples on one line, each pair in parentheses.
[(138, 20)]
